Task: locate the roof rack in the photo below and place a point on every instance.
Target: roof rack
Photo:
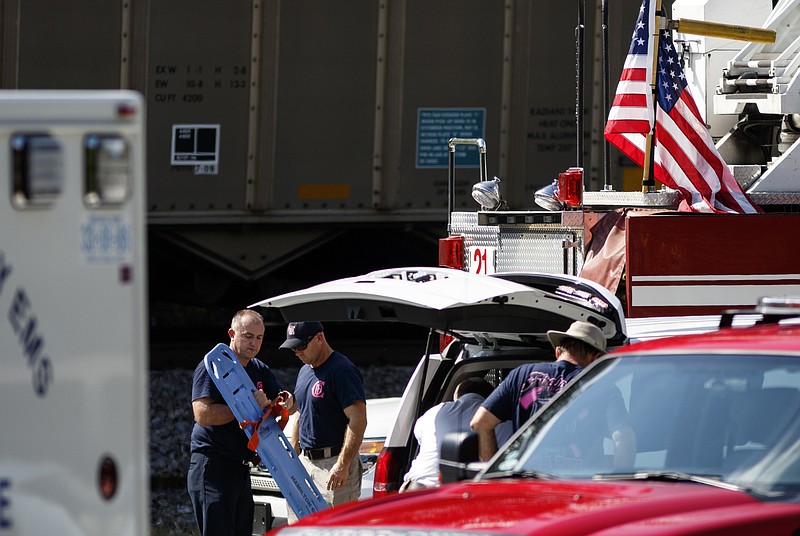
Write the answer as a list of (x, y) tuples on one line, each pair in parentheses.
[(772, 309)]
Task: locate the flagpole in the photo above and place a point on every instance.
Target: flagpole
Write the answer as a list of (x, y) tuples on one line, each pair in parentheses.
[(579, 60), (607, 186), (648, 182)]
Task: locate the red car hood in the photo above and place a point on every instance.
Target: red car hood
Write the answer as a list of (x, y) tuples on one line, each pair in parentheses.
[(563, 508)]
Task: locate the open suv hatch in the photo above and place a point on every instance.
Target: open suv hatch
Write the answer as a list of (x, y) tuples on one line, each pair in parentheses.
[(493, 324)]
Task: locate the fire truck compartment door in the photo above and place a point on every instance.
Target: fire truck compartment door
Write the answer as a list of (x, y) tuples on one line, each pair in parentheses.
[(518, 307)]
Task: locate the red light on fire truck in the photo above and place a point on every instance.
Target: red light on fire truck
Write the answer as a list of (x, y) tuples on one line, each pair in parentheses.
[(451, 252), (570, 187)]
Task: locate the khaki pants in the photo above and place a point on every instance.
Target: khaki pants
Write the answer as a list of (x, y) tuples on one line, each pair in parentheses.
[(318, 471)]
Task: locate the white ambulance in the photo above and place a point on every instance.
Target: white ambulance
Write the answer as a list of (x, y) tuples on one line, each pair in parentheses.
[(73, 332)]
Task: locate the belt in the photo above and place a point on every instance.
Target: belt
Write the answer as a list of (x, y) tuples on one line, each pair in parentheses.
[(319, 454), (209, 454)]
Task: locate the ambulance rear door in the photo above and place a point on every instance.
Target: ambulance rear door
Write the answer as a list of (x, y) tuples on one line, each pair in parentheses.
[(73, 367)]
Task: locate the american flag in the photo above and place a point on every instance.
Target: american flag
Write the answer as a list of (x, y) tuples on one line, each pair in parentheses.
[(685, 158)]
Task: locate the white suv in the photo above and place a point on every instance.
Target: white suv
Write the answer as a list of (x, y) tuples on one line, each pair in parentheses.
[(271, 512), (490, 324)]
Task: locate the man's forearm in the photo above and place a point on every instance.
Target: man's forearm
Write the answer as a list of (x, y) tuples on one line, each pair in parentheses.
[(296, 434), (483, 423), (487, 444), (352, 442), (354, 433), (208, 413)]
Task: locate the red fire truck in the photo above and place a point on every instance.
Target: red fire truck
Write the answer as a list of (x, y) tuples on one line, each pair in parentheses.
[(661, 261)]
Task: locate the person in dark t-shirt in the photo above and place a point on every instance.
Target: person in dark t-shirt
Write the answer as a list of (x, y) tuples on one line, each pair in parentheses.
[(333, 414), (433, 425), (218, 480), (528, 387)]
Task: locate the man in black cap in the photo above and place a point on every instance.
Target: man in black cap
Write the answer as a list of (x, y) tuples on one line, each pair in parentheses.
[(528, 387), (333, 414)]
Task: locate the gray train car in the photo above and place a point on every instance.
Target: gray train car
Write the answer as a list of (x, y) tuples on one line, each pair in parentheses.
[(294, 142)]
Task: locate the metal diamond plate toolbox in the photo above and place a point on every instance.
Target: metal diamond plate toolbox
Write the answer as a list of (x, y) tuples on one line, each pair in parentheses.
[(466, 225), (532, 242)]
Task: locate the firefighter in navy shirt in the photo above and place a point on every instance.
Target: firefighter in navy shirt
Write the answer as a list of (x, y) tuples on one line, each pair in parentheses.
[(219, 469), (333, 414)]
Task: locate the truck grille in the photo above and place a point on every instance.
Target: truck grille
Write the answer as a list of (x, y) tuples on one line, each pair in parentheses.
[(264, 483)]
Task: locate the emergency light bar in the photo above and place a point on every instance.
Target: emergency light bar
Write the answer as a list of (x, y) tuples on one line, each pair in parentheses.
[(772, 309), (789, 305)]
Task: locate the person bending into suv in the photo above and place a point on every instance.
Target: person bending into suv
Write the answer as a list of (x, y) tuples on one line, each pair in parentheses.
[(528, 387), (333, 414), (441, 419)]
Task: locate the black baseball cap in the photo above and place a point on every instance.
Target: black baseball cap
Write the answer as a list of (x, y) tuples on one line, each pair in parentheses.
[(300, 333)]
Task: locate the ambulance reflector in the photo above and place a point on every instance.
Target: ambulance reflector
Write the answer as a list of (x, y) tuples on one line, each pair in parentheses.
[(107, 478)]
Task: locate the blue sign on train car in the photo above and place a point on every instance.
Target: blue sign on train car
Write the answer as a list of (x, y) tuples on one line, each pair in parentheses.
[(435, 127)]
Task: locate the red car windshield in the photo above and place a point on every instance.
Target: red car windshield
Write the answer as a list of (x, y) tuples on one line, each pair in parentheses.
[(731, 419)]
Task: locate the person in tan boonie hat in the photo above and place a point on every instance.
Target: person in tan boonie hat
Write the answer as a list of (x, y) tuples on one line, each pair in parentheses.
[(531, 385), (582, 331)]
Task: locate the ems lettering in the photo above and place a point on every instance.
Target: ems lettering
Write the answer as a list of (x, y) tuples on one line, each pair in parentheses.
[(5, 504), (42, 375), (25, 326), (5, 271)]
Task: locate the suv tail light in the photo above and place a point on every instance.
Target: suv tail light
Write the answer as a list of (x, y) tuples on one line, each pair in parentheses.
[(387, 472), (444, 340)]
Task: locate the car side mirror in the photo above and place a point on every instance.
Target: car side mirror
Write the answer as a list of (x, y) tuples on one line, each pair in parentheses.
[(458, 456)]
